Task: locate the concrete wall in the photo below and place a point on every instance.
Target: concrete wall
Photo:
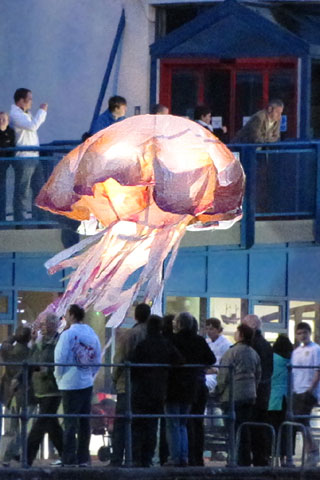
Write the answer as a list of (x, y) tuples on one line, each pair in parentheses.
[(60, 48)]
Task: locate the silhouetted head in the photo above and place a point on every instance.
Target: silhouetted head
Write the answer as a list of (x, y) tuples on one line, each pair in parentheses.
[(154, 325), (244, 334), (75, 314), (142, 312), (23, 334), (253, 321), (159, 109), (282, 346), (184, 322)]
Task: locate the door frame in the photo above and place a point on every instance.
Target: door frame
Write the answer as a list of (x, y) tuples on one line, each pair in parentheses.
[(201, 65)]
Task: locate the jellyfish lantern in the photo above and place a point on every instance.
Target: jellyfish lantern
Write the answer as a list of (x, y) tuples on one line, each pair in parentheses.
[(146, 180)]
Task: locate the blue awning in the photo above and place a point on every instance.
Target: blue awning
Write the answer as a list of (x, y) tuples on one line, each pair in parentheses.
[(230, 30)]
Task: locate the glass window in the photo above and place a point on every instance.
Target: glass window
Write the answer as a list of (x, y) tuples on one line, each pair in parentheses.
[(282, 84), (269, 314), (4, 303), (228, 310), (217, 88), (315, 99), (309, 312), (30, 304), (176, 305), (248, 96), (184, 93)]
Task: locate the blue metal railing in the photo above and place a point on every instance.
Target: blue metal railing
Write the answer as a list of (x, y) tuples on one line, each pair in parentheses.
[(25, 416), (283, 182), (229, 416)]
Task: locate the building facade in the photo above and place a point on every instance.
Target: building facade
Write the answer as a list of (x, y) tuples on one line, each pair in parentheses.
[(235, 56)]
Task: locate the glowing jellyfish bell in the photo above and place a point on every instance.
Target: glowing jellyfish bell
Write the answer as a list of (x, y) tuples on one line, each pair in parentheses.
[(146, 179)]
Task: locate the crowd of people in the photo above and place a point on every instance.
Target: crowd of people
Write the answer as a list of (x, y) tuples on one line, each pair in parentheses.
[(260, 386), (20, 128), (178, 371), (77, 353)]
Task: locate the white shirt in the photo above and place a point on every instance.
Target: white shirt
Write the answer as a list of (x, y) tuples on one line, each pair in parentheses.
[(25, 127), (205, 125), (75, 377), (218, 347), (309, 356)]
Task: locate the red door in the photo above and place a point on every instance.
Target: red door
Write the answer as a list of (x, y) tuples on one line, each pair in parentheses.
[(234, 89)]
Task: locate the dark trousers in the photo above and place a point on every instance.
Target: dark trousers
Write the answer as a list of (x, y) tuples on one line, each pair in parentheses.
[(144, 436), (260, 439), (23, 171), (45, 425), (244, 413), (76, 450), (4, 165), (163, 444), (196, 427), (119, 431)]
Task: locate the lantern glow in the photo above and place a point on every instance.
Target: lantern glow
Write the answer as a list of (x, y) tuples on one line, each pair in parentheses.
[(146, 179)]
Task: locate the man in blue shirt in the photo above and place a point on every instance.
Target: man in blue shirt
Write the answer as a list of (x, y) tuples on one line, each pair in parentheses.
[(116, 111)]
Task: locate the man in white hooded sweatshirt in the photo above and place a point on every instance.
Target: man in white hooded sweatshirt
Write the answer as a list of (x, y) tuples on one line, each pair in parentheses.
[(78, 345)]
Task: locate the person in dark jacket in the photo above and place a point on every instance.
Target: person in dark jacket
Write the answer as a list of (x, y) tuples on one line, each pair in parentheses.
[(167, 332), (260, 443), (124, 348), (45, 389), (196, 425), (7, 139), (183, 384), (15, 349), (149, 386)]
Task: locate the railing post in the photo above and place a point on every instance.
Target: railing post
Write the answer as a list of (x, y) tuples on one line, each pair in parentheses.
[(290, 418), (249, 162), (24, 413), (232, 419), (128, 415), (317, 206)]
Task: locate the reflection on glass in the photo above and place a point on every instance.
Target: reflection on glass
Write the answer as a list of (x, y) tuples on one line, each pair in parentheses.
[(269, 314), (248, 95), (282, 85), (184, 93), (30, 304), (217, 93), (177, 305), (228, 310), (271, 336), (4, 304), (309, 312)]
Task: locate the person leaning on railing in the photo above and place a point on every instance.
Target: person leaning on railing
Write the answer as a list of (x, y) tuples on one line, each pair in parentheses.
[(263, 126), (7, 139)]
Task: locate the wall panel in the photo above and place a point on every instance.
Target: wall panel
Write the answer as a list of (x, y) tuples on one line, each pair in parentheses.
[(228, 273)]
